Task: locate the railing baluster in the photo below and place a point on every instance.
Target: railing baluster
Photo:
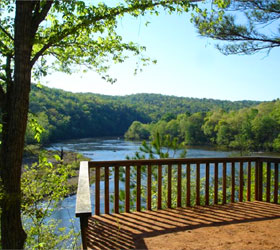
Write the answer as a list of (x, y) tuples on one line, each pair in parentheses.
[(127, 189), (257, 180), (216, 178), (268, 176), (97, 190), (261, 181), (232, 181), (138, 189), (106, 191), (188, 170), (241, 181), (149, 188), (159, 186), (116, 186), (276, 179), (249, 182), (224, 183), (207, 184), (197, 184), (169, 185), (179, 185)]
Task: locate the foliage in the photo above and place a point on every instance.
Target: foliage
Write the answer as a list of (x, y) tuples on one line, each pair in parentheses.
[(247, 26), (248, 129), (161, 107), (137, 131), (66, 115), (34, 129), (44, 185), (193, 130)]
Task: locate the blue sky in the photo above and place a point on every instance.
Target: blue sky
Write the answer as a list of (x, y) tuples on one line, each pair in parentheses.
[(187, 65)]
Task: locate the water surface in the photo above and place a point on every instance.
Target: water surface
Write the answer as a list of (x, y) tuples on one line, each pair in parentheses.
[(101, 149)]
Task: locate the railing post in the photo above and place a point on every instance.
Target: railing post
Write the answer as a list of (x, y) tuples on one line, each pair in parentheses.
[(149, 188), (268, 177), (207, 184), (179, 185), (169, 185), (224, 182), (256, 180), (259, 180), (106, 190), (83, 203), (198, 184), (84, 228), (276, 179), (127, 189), (116, 190), (216, 182), (249, 182), (241, 181), (138, 188), (188, 186), (159, 186), (260, 185), (97, 190), (232, 181)]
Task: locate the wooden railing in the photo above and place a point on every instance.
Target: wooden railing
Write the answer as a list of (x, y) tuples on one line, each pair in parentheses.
[(236, 173)]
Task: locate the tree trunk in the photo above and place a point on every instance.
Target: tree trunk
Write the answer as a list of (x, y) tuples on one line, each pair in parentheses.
[(14, 125)]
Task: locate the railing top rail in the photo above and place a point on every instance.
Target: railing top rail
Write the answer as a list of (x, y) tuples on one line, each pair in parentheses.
[(181, 161)]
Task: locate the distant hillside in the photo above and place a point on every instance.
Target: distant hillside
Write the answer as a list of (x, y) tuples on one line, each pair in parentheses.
[(67, 115), (156, 105)]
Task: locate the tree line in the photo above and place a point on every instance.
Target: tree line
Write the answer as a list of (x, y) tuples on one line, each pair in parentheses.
[(65, 115), (248, 129)]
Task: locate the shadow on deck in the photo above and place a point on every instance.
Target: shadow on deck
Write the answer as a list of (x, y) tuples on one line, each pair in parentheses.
[(148, 229)]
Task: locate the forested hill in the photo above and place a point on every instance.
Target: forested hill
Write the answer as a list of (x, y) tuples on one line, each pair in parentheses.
[(157, 105), (66, 115)]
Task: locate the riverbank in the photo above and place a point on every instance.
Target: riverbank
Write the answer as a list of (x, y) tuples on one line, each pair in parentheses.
[(57, 158), (100, 149)]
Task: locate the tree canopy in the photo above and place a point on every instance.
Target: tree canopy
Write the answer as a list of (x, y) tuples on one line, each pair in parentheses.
[(73, 33), (66, 115), (255, 128), (245, 26)]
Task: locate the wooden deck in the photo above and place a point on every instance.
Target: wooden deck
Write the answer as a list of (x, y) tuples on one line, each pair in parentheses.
[(165, 229), (244, 211)]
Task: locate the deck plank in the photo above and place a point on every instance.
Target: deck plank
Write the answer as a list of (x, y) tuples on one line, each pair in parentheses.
[(142, 230)]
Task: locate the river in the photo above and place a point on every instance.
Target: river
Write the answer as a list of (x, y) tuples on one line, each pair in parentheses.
[(108, 149)]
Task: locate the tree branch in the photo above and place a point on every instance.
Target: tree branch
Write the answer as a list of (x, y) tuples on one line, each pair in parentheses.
[(3, 78), (40, 16), (2, 97), (114, 12), (241, 37), (37, 7), (8, 70), (9, 80), (7, 33)]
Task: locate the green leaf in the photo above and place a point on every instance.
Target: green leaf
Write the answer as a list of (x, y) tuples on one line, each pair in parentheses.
[(57, 158)]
